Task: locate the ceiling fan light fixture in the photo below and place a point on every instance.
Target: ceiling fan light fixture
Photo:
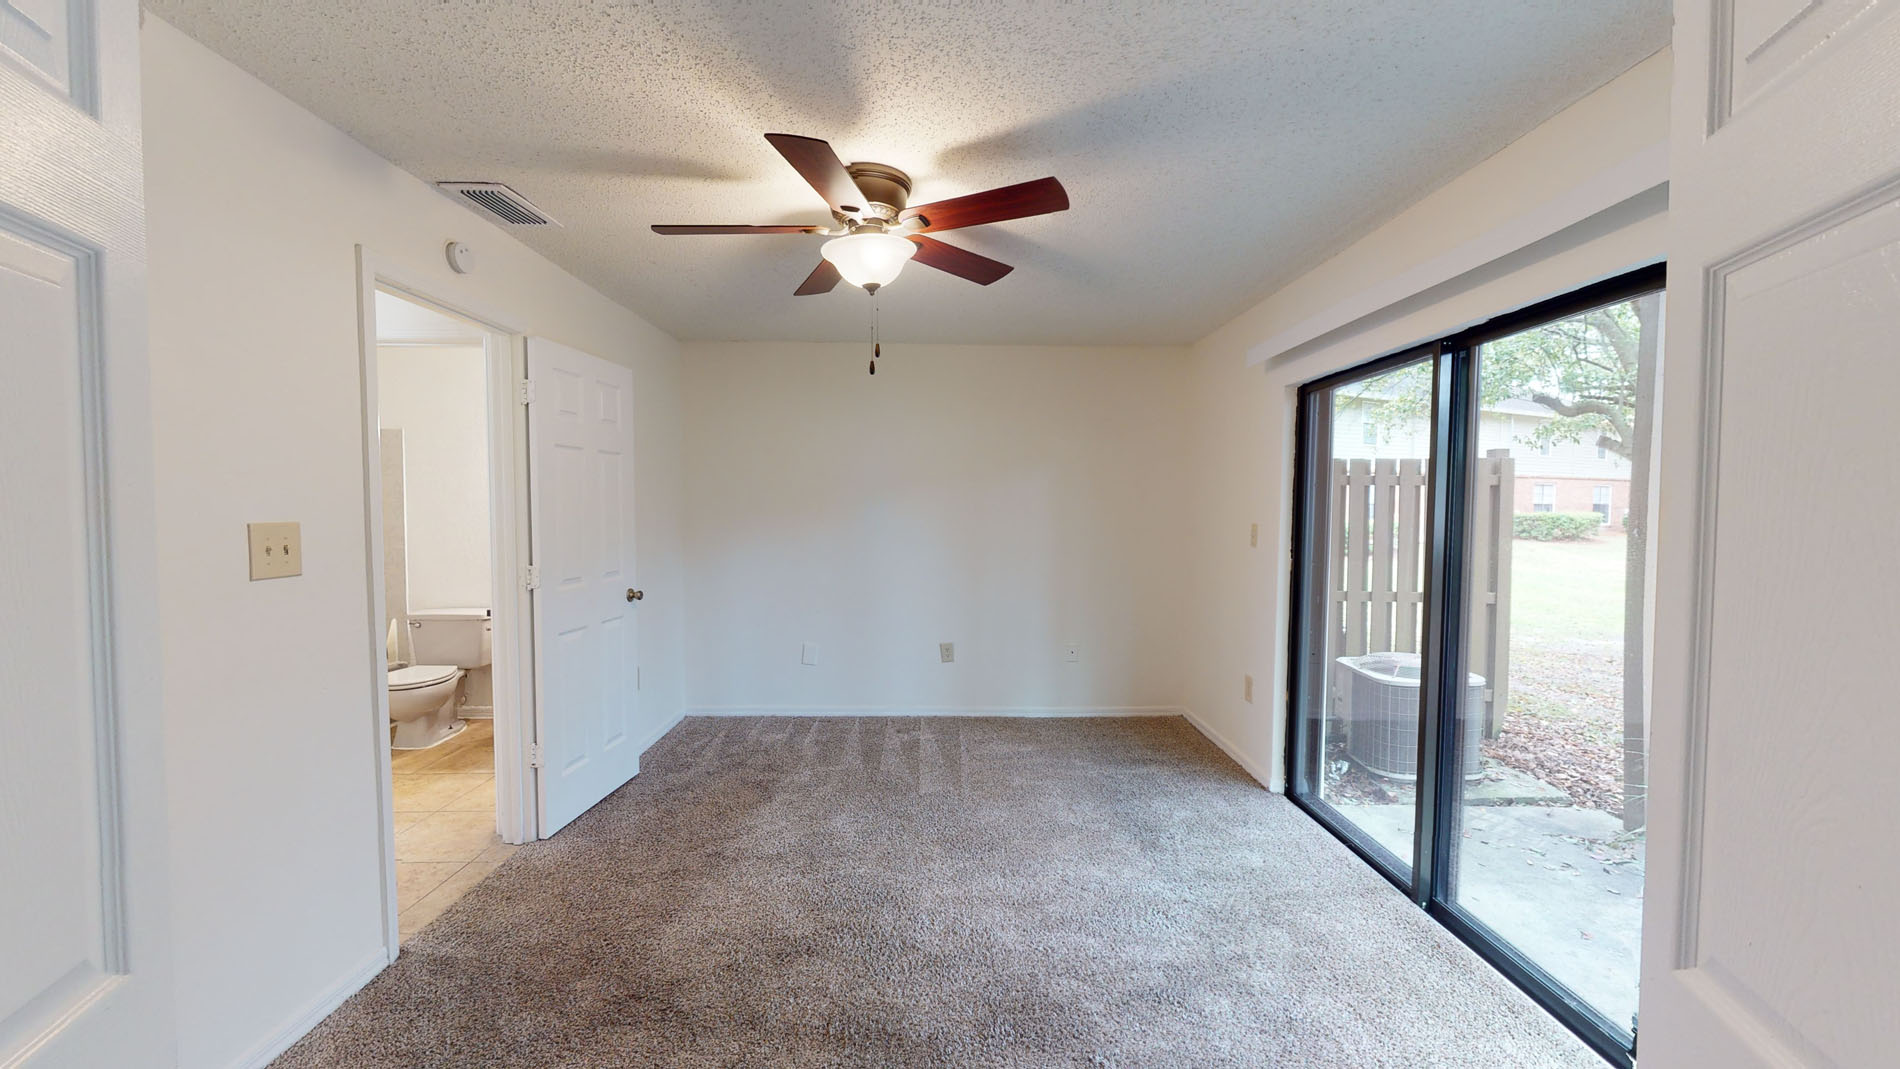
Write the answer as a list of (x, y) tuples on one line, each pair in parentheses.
[(868, 258), (878, 229)]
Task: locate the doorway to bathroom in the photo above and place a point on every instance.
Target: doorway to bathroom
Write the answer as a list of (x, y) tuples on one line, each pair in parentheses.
[(446, 518)]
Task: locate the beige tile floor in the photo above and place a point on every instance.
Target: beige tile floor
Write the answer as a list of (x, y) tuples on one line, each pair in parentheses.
[(445, 823)]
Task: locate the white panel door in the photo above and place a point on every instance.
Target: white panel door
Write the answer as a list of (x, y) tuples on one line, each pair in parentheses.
[(1771, 933), (580, 497), (84, 968)]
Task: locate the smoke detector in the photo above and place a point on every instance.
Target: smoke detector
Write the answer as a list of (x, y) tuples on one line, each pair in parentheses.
[(497, 200)]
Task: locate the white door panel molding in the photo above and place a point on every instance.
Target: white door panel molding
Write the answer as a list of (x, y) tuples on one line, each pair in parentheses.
[(581, 502), (84, 918), (1774, 824)]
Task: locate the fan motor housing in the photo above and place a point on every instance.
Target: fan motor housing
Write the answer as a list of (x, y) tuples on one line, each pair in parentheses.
[(885, 188)]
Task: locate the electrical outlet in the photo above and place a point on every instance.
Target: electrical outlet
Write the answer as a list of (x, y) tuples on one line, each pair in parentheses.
[(808, 653), (276, 550), (1072, 652), (946, 652), (1246, 688), (1253, 536)]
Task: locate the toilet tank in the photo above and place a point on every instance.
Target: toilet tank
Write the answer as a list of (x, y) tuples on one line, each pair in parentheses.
[(461, 636)]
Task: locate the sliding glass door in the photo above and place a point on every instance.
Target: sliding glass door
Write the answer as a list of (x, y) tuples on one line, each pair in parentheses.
[(1468, 702), (1364, 561)]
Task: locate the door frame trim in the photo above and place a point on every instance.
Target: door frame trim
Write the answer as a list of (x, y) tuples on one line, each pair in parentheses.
[(513, 665)]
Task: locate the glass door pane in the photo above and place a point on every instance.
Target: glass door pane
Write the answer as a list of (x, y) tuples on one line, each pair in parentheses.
[(1367, 453), (1547, 838)]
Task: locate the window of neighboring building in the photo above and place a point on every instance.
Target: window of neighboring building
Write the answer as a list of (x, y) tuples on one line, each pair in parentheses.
[(1600, 503), (1543, 448), (1602, 453), (1368, 432), (1543, 497)]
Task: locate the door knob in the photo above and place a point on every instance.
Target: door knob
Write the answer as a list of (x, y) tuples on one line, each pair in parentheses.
[(635, 595)]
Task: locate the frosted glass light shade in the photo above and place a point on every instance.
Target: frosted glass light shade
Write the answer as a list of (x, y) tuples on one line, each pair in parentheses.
[(868, 259)]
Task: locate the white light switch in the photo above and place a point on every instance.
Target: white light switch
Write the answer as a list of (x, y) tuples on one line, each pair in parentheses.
[(808, 653), (1246, 688), (946, 652), (276, 550), (1253, 536)]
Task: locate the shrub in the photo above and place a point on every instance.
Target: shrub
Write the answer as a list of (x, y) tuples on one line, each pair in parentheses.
[(1555, 526)]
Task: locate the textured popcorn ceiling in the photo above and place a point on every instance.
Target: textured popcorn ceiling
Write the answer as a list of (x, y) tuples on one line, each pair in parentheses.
[(1211, 150)]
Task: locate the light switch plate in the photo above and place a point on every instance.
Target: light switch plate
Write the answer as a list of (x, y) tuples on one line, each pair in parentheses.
[(946, 652), (276, 550), (808, 653), (1253, 536), (1246, 688), (1072, 652)]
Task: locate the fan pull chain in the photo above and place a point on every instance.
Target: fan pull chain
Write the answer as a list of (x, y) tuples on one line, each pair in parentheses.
[(877, 347)]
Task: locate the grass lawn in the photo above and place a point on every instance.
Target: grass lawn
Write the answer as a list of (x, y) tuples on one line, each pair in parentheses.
[(1567, 591), (1565, 724)]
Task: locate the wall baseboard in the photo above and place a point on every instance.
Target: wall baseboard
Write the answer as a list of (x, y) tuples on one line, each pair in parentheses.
[(660, 732), (313, 1012), (1012, 711), (1261, 772)]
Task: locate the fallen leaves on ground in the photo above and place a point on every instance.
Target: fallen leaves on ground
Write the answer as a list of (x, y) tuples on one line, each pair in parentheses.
[(1565, 724)]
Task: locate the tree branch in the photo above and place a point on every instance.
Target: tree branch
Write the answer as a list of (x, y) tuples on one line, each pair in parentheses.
[(1611, 414), (1619, 338)]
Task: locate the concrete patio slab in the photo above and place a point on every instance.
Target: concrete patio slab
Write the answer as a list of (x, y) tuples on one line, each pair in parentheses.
[(1561, 883)]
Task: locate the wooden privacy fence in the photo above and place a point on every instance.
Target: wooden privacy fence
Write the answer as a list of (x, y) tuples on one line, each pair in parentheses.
[(1377, 519), (1488, 629)]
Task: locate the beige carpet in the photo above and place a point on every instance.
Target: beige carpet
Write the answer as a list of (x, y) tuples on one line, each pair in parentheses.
[(937, 892)]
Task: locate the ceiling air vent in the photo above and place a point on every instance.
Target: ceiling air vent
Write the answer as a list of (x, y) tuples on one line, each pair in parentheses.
[(499, 201)]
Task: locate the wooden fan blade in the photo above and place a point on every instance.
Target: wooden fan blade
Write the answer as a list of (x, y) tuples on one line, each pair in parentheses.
[(1040, 197), (738, 229), (821, 280), (960, 262), (818, 164)]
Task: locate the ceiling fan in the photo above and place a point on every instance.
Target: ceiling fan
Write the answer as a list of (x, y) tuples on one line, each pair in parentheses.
[(877, 234)]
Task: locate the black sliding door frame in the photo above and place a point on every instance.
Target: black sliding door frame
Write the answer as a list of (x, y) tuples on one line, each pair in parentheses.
[(1429, 882)]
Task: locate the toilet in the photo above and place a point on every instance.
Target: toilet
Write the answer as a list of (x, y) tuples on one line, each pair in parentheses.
[(445, 643)]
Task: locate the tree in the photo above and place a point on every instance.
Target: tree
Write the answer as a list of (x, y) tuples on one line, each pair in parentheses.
[(1597, 372)]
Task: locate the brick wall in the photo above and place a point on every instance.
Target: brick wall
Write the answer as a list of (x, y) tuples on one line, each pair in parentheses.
[(1573, 495)]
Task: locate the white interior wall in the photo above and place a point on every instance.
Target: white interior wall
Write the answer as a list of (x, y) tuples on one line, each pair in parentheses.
[(1007, 499), (438, 397), (255, 208), (1241, 454)]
